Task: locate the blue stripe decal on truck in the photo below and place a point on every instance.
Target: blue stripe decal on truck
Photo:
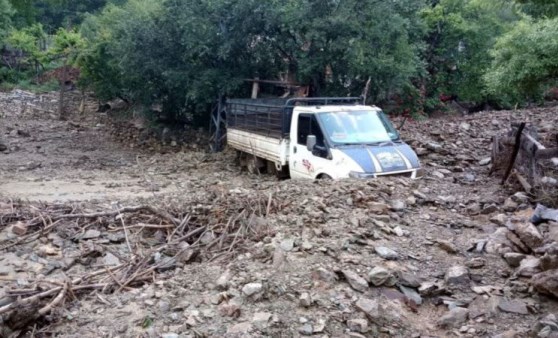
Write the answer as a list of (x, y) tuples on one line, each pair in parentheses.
[(361, 156), (388, 157)]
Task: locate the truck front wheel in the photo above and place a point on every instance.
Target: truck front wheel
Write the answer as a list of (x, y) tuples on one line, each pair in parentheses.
[(282, 174)]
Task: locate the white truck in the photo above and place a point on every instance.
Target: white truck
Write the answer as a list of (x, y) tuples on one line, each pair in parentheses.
[(317, 138)]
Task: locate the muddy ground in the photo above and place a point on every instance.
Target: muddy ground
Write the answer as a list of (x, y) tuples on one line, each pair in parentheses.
[(211, 251)]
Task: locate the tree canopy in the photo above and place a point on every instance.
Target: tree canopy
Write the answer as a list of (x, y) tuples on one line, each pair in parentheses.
[(184, 54)]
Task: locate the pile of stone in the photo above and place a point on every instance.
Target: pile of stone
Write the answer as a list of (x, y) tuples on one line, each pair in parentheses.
[(528, 241)]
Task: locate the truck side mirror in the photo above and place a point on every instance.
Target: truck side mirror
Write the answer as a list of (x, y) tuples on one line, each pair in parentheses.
[(311, 142)]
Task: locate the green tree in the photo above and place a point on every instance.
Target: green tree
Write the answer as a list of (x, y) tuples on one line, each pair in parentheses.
[(183, 54), (525, 61), (461, 34), (67, 49), (540, 8), (53, 14), (31, 41), (6, 12)]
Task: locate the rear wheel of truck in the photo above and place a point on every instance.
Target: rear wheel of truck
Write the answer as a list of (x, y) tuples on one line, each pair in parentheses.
[(255, 165)]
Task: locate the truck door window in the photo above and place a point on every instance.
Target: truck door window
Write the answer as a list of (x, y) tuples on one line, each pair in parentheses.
[(308, 125)]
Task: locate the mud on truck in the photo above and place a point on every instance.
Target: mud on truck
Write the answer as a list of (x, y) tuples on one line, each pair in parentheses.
[(317, 138)]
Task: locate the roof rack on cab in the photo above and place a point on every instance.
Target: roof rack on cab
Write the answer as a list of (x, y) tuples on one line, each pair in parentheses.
[(323, 101)]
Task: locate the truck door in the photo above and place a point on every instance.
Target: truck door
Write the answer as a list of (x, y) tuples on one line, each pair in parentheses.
[(304, 163)]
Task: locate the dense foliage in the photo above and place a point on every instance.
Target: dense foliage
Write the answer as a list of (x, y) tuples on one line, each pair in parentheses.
[(415, 54)]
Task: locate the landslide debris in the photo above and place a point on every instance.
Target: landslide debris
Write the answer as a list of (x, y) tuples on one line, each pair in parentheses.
[(226, 254)]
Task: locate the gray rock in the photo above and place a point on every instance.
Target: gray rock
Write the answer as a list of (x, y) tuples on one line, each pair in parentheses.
[(370, 307), (287, 245), (510, 205), (469, 177), (529, 267), (549, 261), (513, 306), (252, 289), (475, 263), (489, 209), (430, 288), (386, 253), (437, 174), (499, 219), (434, 146), (386, 312), (379, 276), (240, 329), (457, 274), (320, 325), (170, 335), (91, 233), (447, 246), (378, 208), (398, 205), (508, 334), (111, 259), (411, 294), (326, 275), (529, 234), (358, 325), (485, 161), (454, 318), (305, 300), (513, 258), (409, 279), (398, 231), (306, 329), (224, 280), (261, 320), (546, 282), (355, 281)]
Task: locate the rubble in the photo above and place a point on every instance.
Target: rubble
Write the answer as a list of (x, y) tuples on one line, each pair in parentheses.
[(457, 274), (546, 282), (454, 318), (386, 253), (379, 276), (224, 253), (355, 281)]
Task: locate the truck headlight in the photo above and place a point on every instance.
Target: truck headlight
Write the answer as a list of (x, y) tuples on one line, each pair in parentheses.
[(356, 174)]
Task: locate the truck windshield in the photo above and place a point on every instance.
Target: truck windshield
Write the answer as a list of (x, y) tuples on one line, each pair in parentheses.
[(358, 127)]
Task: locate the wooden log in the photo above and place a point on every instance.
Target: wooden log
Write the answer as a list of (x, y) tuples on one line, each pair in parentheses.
[(526, 186), (515, 152)]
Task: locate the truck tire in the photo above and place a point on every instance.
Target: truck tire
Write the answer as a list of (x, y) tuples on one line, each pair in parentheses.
[(282, 174), (255, 165)]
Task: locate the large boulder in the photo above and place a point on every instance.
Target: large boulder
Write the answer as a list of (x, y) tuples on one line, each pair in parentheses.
[(546, 282)]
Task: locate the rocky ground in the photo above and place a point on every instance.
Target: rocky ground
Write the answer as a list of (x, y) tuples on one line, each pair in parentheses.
[(105, 239)]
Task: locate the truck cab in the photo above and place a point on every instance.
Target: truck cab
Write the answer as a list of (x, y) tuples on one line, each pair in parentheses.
[(347, 141), (319, 138)]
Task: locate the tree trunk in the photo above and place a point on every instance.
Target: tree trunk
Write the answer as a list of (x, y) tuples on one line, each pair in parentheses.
[(62, 81)]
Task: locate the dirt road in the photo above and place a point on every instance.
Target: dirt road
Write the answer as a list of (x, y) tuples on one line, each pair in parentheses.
[(225, 254)]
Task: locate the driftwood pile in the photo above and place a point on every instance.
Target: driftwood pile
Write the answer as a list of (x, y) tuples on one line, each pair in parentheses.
[(530, 157), (143, 242)]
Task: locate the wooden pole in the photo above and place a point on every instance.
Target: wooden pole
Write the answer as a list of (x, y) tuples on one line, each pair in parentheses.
[(515, 152)]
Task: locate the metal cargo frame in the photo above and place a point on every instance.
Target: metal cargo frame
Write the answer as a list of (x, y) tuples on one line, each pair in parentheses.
[(266, 117)]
